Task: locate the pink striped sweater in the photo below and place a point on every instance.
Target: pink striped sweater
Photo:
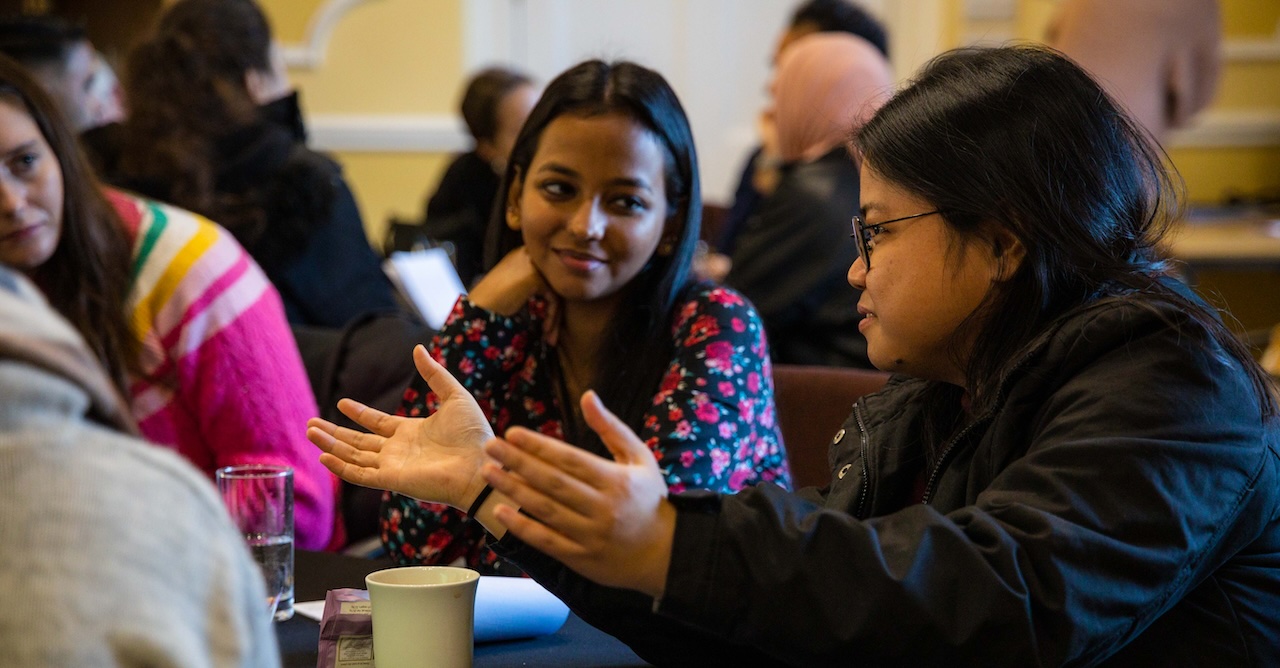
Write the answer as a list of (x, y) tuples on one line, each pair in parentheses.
[(222, 380)]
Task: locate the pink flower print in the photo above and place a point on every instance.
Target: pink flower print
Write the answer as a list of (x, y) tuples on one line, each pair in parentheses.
[(753, 382), (727, 428), (466, 367), (683, 429), (737, 325), (707, 412), (720, 356), (766, 417), (739, 479), (726, 388), (674, 414), (492, 353), (687, 459), (725, 297), (719, 461), (676, 488), (747, 410)]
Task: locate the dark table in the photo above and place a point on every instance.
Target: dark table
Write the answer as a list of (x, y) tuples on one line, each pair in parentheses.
[(315, 573)]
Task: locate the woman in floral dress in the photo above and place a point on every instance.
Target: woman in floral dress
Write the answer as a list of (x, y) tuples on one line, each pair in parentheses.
[(600, 217)]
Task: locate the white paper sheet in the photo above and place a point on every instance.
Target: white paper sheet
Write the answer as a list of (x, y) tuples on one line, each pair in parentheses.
[(427, 278), (506, 609), (509, 608)]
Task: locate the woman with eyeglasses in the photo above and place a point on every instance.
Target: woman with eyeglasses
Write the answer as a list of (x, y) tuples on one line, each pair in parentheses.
[(1077, 463)]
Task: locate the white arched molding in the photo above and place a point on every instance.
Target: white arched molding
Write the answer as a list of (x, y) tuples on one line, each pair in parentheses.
[(310, 53)]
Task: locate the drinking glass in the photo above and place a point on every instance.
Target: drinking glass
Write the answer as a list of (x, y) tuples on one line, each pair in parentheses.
[(259, 498)]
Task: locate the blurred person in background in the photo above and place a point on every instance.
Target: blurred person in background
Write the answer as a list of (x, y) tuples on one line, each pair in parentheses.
[(494, 106), (214, 127), (115, 552), (63, 60), (792, 253), (760, 171), (1161, 59), (185, 323)]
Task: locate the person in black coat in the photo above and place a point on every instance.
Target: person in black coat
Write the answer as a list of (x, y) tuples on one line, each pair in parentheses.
[(494, 106), (214, 127), (1077, 463), (791, 256)]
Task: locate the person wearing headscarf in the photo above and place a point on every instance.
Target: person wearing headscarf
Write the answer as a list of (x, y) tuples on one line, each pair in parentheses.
[(791, 257), (1161, 59)]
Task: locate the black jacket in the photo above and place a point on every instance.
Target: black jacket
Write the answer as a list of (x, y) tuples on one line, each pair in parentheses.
[(792, 257), (1119, 505), (460, 209)]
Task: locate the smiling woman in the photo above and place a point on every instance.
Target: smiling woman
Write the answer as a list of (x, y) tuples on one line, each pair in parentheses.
[(1079, 465), (592, 290)]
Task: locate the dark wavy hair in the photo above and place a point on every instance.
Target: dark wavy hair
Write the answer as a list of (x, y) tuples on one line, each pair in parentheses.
[(187, 94), (87, 278), (638, 344), (483, 95), (1022, 138)]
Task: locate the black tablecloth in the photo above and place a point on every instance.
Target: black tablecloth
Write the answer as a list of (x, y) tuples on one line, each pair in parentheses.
[(575, 644)]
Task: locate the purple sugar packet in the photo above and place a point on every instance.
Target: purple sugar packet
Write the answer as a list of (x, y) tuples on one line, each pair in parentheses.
[(346, 630)]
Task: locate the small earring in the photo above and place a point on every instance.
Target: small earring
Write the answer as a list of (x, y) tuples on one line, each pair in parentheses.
[(666, 248)]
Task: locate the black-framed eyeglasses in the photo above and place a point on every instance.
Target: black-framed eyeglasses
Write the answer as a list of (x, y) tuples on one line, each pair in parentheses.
[(863, 233)]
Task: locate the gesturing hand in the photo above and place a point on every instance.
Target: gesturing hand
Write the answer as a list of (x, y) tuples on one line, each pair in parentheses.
[(436, 458), (607, 520), (507, 287)]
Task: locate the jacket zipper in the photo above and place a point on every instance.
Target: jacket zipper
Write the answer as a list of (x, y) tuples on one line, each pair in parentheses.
[(866, 471), (942, 461)]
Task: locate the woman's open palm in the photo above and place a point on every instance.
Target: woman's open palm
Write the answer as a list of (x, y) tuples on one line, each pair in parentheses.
[(436, 458)]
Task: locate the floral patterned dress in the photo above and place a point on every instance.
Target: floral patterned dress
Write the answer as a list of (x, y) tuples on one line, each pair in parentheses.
[(711, 424)]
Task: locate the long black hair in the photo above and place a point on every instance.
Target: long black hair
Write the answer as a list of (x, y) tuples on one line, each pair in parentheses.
[(638, 347), (1022, 138)]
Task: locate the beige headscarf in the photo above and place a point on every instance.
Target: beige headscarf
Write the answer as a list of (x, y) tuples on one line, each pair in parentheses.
[(826, 85), (1159, 58)]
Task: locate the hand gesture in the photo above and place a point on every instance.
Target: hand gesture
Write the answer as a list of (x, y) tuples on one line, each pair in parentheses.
[(509, 285), (436, 458), (607, 520)]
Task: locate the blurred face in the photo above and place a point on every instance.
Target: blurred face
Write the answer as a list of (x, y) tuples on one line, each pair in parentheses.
[(70, 84), (922, 284), (512, 111), (30, 192), (592, 208)]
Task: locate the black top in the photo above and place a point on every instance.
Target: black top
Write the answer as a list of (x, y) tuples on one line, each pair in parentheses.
[(1118, 504), (460, 209), (792, 257)]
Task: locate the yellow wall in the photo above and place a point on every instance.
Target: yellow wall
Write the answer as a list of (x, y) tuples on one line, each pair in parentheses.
[(400, 57)]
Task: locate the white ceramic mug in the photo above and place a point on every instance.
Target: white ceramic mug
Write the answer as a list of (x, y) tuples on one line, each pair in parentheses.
[(423, 616)]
